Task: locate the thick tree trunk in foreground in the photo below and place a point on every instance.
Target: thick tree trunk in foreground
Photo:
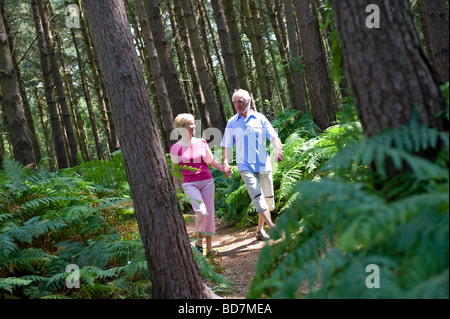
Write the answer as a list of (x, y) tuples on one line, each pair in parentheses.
[(386, 66), (173, 271)]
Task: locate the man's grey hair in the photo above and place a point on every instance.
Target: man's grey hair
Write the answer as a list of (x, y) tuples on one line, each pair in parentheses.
[(242, 93)]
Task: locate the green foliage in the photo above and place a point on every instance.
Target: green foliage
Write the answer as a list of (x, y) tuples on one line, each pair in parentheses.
[(82, 216), (339, 224)]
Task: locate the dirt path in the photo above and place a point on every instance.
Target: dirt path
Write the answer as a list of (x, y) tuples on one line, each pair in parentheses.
[(239, 251)]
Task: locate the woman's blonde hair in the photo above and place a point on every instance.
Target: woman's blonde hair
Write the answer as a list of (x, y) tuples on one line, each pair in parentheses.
[(183, 119)]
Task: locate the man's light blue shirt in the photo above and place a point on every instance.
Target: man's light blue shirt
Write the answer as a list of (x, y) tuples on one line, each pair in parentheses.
[(249, 135)]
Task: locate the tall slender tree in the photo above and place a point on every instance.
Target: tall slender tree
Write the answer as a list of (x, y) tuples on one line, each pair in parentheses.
[(162, 92), (48, 87), (191, 66), (205, 80), (57, 80), (225, 45), (258, 54), (21, 83), (11, 101), (294, 49), (176, 96), (173, 271), (236, 44), (317, 77), (103, 104)]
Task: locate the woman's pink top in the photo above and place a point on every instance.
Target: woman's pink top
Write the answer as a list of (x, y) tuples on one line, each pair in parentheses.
[(194, 156)]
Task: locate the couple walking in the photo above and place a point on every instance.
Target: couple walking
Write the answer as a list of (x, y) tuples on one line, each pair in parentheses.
[(248, 131)]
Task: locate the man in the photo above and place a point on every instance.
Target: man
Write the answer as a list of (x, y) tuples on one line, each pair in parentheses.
[(248, 130)]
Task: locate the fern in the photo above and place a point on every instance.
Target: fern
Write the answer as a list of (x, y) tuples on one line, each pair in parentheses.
[(340, 224), (33, 228), (208, 271)]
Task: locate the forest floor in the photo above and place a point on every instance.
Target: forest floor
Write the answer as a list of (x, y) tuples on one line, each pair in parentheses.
[(238, 254)]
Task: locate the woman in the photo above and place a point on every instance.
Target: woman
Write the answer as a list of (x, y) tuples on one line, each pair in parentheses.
[(197, 182)]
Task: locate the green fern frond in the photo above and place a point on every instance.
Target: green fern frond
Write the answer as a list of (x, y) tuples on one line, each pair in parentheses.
[(7, 247), (208, 271), (11, 283), (33, 228)]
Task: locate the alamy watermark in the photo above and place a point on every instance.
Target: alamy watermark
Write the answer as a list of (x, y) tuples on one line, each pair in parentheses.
[(373, 19), (73, 18), (73, 279), (373, 280)]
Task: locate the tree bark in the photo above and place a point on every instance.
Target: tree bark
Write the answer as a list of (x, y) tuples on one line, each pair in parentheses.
[(299, 97), (434, 18), (205, 80), (72, 142), (103, 104), (42, 117), (386, 66), (158, 78), (177, 99), (258, 57), (191, 66), (225, 45), (88, 100), (48, 86), (12, 102), (317, 77), (236, 45), (173, 271)]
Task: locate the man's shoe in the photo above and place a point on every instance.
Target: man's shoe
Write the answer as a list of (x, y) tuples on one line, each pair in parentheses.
[(261, 235)]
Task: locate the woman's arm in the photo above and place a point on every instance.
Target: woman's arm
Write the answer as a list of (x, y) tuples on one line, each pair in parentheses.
[(212, 160)]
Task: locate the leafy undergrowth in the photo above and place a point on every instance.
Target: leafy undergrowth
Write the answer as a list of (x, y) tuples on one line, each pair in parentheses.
[(79, 223)]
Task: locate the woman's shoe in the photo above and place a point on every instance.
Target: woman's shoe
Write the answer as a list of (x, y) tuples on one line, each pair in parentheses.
[(212, 253), (199, 248)]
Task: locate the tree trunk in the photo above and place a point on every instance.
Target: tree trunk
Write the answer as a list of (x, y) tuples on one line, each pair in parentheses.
[(208, 91), (300, 103), (72, 142), (173, 271), (103, 104), (48, 145), (87, 99), (203, 22), (225, 45), (197, 88), (48, 86), (179, 51), (236, 45), (176, 96), (317, 77), (386, 66), (12, 102), (434, 18), (158, 78), (258, 56), (26, 105), (78, 122)]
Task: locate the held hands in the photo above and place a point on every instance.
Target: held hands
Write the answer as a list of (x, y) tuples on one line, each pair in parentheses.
[(227, 170)]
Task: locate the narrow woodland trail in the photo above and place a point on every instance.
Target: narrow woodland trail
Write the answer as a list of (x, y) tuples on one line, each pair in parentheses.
[(239, 252)]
